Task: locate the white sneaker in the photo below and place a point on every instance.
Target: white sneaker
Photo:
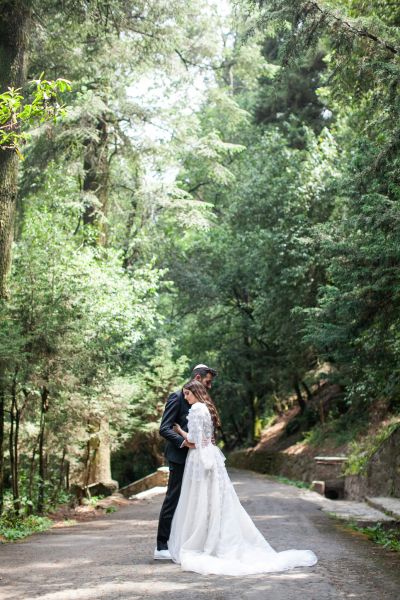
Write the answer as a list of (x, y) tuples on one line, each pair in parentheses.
[(162, 555)]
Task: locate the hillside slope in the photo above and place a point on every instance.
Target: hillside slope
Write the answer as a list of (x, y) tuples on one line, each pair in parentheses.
[(310, 445)]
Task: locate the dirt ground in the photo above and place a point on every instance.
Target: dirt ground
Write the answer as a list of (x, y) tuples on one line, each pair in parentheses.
[(110, 557)]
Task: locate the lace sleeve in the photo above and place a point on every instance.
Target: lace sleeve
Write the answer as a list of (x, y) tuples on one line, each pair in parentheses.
[(200, 433), (195, 426)]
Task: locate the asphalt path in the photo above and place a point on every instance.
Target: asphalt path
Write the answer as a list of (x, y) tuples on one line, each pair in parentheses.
[(111, 557)]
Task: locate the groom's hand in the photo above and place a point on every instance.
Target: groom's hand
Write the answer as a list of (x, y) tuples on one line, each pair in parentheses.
[(178, 429), (188, 444)]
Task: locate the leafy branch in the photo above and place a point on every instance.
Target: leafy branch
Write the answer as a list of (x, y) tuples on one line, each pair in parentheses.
[(14, 113), (309, 17), (336, 19)]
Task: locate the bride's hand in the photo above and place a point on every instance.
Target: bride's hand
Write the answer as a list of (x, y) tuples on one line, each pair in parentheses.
[(177, 428)]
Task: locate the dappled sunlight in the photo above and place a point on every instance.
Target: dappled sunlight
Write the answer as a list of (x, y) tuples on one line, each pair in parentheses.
[(291, 575), (259, 518), (121, 563), (158, 587), (57, 564), (137, 589)]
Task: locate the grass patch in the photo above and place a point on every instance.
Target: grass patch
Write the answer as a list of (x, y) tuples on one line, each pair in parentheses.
[(111, 509), (295, 482), (339, 430), (14, 528), (388, 538), (92, 501), (69, 522)]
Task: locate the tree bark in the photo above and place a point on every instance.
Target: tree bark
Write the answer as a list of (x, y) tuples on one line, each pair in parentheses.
[(237, 430), (44, 393), (15, 417), (307, 389), (67, 471), (13, 444), (2, 403), (31, 476), (99, 454), (15, 20), (250, 396), (61, 475), (300, 398), (96, 166)]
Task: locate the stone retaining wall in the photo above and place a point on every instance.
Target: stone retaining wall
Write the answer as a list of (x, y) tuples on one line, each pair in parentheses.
[(382, 475), (301, 467), (380, 478), (159, 478)]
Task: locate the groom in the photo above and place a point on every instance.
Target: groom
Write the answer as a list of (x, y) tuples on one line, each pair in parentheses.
[(176, 411)]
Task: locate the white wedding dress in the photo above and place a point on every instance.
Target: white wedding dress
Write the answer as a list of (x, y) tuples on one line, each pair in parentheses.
[(211, 532)]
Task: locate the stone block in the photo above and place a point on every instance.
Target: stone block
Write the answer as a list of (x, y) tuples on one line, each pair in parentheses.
[(319, 487), (157, 479)]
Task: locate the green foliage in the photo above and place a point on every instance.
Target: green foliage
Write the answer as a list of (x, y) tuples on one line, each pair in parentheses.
[(161, 371), (305, 421), (299, 484), (224, 189), (13, 528), (111, 509), (73, 318), (156, 378), (92, 501), (388, 538), (15, 113), (338, 430)]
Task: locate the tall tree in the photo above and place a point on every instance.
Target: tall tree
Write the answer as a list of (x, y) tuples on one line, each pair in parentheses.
[(15, 23), (15, 26)]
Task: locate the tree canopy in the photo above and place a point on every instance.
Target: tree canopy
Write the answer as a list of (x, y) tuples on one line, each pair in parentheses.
[(219, 185)]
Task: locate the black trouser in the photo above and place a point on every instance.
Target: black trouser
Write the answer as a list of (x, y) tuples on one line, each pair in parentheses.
[(169, 504)]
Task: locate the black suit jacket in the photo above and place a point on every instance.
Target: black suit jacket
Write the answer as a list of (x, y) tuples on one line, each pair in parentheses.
[(176, 411)]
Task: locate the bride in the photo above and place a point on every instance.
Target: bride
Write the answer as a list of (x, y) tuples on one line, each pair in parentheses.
[(211, 533)]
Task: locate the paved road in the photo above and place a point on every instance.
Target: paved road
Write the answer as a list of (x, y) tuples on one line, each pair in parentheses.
[(110, 558)]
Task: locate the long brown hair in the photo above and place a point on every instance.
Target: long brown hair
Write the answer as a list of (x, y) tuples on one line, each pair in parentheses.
[(199, 390)]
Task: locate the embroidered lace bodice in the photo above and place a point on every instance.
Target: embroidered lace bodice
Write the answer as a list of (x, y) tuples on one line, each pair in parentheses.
[(200, 426), (206, 455)]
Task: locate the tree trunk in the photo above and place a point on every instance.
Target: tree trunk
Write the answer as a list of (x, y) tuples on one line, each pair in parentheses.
[(250, 396), (2, 403), (67, 471), (96, 183), (129, 257), (11, 447), (15, 19), (8, 200), (237, 430), (31, 476), (300, 398), (61, 475), (13, 444), (99, 455), (44, 393), (16, 459), (307, 389), (252, 418)]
